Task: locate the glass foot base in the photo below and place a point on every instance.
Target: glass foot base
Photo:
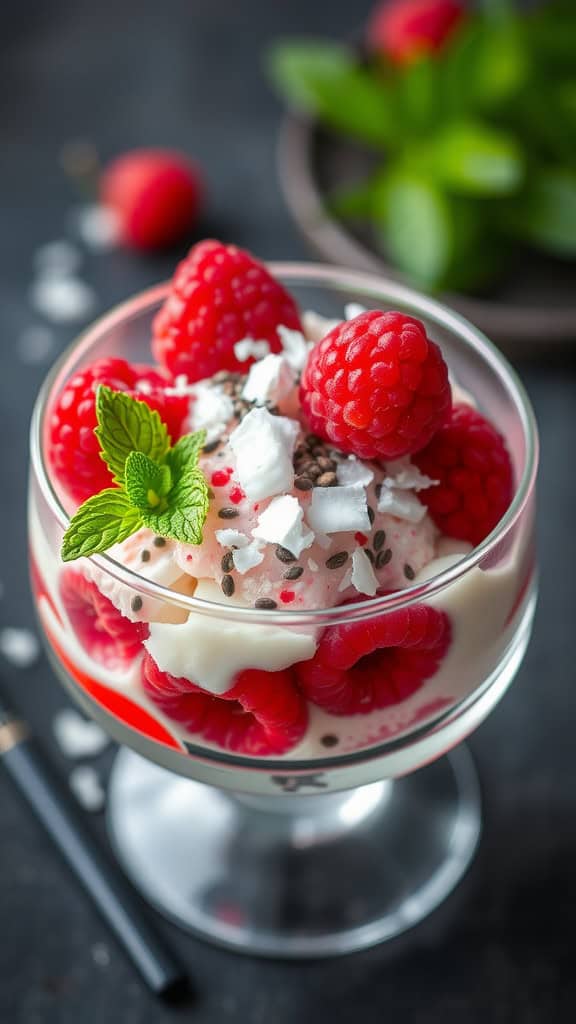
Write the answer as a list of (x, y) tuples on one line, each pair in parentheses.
[(296, 876)]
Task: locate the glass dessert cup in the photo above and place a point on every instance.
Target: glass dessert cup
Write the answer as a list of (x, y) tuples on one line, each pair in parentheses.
[(366, 826)]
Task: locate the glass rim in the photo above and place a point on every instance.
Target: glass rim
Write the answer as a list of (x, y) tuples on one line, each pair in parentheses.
[(369, 286)]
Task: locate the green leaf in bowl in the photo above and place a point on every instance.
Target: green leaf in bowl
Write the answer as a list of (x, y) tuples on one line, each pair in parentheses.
[(471, 159), (326, 79)]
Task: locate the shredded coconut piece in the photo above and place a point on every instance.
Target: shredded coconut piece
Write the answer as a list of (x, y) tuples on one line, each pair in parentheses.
[(353, 471), (232, 538), (62, 299), (248, 347), (263, 446), (346, 580), (97, 226), (77, 737), (402, 504), (312, 565), (363, 576), (316, 326), (295, 347), (406, 477), (248, 557), (85, 783), (19, 646), (338, 509), (282, 523), (211, 410), (270, 380), (353, 309)]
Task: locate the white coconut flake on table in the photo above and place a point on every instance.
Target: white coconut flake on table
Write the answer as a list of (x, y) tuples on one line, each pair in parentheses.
[(62, 299), (35, 344), (295, 348), (270, 380), (19, 646), (76, 737), (85, 783), (263, 446), (283, 523), (248, 557), (338, 509), (60, 258), (249, 347), (211, 410), (97, 226), (231, 538), (363, 577), (353, 309), (352, 471), (404, 475), (402, 504)]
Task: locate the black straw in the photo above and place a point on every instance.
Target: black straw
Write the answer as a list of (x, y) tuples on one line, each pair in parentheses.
[(96, 871)]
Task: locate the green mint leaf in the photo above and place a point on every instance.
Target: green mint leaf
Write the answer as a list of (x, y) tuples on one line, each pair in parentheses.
[(187, 508), (326, 79), (414, 222), (471, 159), (127, 425), (545, 214), (184, 454), (146, 483), (105, 519)]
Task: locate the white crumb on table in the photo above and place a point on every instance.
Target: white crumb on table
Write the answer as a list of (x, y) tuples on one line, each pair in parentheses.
[(101, 954), (62, 298), (84, 782), (19, 646), (97, 226), (76, 736), (59, 259)]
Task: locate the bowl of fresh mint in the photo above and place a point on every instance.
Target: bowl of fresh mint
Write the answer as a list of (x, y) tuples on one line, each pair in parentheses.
[(441, 150)]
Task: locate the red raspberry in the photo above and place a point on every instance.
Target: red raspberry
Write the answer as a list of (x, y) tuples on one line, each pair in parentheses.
[(155, 194), (107, 635), (376, 386), (362, 666), (74, 448), (469, 459), (219, 295), (403, 30), (262, 714)]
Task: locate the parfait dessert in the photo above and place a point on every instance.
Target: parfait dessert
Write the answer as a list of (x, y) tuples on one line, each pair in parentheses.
[(265, 464)]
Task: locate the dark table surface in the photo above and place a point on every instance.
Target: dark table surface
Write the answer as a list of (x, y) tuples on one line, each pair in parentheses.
[(189, 74)]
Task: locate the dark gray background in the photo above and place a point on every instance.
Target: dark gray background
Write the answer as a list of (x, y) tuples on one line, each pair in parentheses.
[(189, 74)]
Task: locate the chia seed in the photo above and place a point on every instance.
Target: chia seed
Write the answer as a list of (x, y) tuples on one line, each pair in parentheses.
[(378, 490), (265, 604), (228, 512), (371, 515), (327, 479), (409, 572), (227, 585), (383, 558), (136, 604), (283, 555), (227, 563), (303, 483), (145, 555), (379, 539), (336, 561), (159, 542), (211, 446), (293, 573), (329, 740)]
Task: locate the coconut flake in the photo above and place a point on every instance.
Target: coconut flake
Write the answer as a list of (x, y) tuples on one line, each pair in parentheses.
[(352, 471), (312, 565), (248, 348), (346, 580), (402, 504), (211, 410), (353, 309), (62, 299), (77, 737), (316, 326), (263, 446), (339, 509), (19, 646), (406, 477), (85, 783), (282, 523), (363, 577), (270, 380), (294, 346), (97, 226), (248, 557), (231, 538)]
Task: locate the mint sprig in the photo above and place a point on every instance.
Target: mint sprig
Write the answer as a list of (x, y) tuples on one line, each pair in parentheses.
[(159, 486)]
